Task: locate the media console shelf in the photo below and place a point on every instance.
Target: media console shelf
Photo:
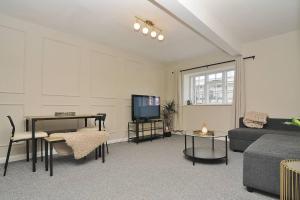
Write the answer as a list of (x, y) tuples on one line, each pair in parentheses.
[(139, 131)]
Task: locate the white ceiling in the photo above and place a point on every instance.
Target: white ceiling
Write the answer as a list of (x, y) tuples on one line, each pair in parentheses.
[(250, 20), (110, 22)]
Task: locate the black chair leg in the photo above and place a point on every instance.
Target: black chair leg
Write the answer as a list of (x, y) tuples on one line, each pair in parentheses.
[(96, 153), (51, 159), (103, 153), (99, 149), (7, 157), (46, 155), (42, 149), (27, 150), (107, 148)]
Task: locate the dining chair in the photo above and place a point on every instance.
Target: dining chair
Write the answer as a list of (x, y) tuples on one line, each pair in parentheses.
[(101, 118), (22, 136)]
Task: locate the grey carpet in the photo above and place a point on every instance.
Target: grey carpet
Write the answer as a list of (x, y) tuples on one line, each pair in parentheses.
[(150, 170)]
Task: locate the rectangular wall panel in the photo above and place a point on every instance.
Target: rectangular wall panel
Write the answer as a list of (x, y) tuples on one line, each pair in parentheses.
[(61, 68), (139, 79), (12, 57), (105, 75)]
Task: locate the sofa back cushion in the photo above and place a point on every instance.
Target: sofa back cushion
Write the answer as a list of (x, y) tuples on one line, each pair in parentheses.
[(275, 124)]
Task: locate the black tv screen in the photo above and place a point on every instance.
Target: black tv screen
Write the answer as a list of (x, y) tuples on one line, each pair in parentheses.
[(145, 107)]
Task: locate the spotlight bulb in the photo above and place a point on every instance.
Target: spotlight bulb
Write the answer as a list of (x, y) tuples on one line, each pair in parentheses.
[(160, 37), (153, 34), (136, 26), (145, 30)]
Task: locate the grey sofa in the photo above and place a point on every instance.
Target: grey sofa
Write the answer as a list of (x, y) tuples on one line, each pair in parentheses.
[(240, 138), (264, 149), (261, 165)]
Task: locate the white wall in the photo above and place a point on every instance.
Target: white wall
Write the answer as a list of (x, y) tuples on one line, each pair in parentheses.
[(43, 71), (272, 82), (273, 79)]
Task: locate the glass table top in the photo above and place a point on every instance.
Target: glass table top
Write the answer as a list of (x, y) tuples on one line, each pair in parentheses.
[(198, 133)]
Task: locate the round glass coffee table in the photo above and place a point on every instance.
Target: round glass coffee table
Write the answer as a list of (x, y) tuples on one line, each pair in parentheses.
[(206, 153)]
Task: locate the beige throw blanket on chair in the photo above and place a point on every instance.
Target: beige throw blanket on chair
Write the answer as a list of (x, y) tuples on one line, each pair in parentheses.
[(80, 143), (255, 119)]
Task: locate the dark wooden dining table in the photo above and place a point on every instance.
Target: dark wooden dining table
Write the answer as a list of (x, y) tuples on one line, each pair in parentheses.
[(35, 119)]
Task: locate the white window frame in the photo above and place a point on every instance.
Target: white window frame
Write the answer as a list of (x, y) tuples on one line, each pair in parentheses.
[(191, 87)]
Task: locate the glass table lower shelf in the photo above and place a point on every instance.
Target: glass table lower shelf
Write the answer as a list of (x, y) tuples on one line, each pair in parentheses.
[(213, 147)]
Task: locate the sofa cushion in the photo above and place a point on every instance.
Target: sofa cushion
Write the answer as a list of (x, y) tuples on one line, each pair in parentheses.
[(253, 134), (279, 146), (274, 124)]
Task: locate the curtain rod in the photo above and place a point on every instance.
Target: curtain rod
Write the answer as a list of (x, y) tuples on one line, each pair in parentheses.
[(229, 61)]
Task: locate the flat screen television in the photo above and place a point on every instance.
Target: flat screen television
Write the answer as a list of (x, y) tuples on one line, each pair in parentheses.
[(145, 107)]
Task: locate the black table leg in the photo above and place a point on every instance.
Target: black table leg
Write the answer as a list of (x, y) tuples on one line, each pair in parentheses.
[(27, 125), (33, 146), (137, 126), (42, 149), (96, 153), (27, 150), (185, 142), (103, 152), (46, 155), (150, 130), (36, 143), (128, 132), (193, 143), (100, 127), (85, 122), (99, 149), (51, 159), (226, 149), (106, 147)]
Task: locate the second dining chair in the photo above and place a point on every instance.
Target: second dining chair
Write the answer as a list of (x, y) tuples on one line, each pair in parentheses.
[(100, 119), (18, 137)]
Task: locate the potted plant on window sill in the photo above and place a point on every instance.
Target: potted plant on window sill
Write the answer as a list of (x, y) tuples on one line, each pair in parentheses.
[(168, 115)]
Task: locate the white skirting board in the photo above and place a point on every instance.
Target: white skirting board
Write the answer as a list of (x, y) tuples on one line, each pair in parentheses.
[(23, 156)]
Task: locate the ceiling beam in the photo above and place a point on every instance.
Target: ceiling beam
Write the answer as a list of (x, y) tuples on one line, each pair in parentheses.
[(202, 24)]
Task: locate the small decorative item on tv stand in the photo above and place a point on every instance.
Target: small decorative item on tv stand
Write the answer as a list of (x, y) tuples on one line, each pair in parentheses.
[(188, 102)]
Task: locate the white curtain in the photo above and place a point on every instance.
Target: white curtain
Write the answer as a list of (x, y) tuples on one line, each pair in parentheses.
[(239, 96), (178, 100)]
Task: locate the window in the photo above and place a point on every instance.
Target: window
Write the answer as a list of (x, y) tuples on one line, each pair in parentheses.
[(210, 88)]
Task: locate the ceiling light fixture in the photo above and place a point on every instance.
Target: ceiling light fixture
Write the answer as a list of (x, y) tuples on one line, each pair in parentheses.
[(146, 26)]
